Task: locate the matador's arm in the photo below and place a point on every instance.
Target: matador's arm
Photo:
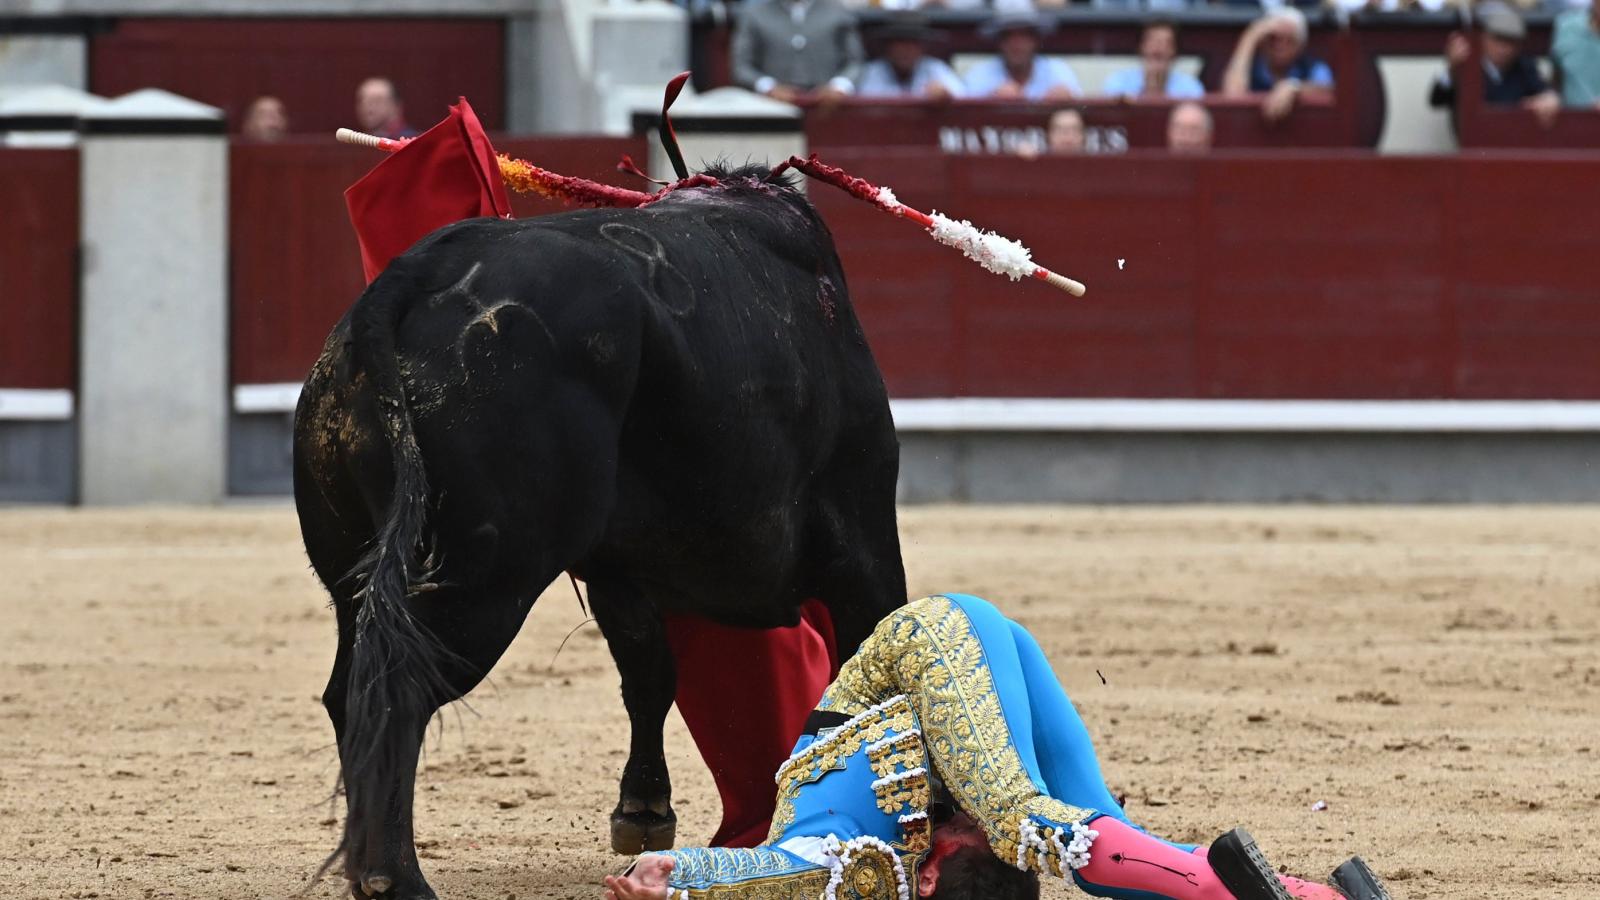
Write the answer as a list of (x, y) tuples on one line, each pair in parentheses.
[(854, 871)]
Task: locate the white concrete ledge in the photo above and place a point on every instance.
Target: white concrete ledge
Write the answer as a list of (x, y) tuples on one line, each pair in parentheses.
[(1052, 414), (266, 398), (1055, 414), (35, 405)]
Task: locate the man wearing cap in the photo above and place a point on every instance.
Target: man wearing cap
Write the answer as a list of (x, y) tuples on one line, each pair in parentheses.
[(906, 70), (794, 50), (1271, 59), (1575, 47), (1019, 73), (1509, 75)]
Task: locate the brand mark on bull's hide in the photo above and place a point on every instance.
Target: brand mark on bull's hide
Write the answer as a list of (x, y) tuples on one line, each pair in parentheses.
[(668, 286)]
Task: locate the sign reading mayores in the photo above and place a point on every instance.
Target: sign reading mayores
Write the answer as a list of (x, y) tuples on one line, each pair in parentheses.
[(979, 140)]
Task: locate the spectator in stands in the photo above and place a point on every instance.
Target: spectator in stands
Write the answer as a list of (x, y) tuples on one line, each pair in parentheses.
[(265, 120), (1155, 76), (1065, 132), (1189, 128), (1064, 135), (1575, 47), (906, 69), (1019, 73), (924, 4), (1394, 5), (794, 50), (1271, 59), (379, 110), (1509, 75)]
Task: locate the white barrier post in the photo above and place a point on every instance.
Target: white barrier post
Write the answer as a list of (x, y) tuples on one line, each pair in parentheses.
[(153, 318)]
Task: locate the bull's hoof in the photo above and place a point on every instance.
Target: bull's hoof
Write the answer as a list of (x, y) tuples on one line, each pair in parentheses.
[(633, 833), (380, 886)]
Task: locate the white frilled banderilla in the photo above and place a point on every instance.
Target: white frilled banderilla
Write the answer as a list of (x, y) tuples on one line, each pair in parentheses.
[(998, 254)]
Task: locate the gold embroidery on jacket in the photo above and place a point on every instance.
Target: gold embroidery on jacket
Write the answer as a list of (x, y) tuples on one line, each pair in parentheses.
[(828, 754), (898, 753), (912, 791), (927, 650), (807, 885)]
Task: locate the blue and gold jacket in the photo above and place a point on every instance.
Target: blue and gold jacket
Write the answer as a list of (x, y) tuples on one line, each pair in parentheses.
[(852, 812)]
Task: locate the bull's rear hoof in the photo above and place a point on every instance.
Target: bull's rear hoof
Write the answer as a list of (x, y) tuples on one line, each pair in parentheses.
[(378, 886), (640, 832)]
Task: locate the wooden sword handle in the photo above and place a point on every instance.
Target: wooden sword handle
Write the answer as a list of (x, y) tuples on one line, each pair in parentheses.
[(1075, 288), (362, 139)]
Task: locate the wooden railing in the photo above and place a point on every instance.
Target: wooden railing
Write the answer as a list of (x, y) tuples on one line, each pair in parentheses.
[(38, 268)]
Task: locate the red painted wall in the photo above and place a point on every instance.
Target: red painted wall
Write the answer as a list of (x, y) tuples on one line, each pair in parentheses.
[(1327, 275), (312, 64), (38, 268), (296, 267), (1334, 275)]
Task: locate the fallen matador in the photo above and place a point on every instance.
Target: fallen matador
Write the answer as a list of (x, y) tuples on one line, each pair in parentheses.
[(947, 761)]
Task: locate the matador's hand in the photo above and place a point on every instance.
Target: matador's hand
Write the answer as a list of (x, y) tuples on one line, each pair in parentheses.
[(646, 881)]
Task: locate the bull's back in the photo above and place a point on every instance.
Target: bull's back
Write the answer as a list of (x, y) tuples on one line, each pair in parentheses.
[(716, 344)]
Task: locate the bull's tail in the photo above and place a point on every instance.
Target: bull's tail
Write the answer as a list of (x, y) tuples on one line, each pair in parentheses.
[(396, 664)]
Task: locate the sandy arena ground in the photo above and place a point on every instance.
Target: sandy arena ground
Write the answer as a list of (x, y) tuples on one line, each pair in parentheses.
[(1432, 674)]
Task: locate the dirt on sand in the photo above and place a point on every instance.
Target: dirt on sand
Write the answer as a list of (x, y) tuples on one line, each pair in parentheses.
[(1431, 675)]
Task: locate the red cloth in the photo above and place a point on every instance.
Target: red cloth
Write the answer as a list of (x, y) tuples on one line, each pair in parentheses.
[(446, 174), (745, 694)]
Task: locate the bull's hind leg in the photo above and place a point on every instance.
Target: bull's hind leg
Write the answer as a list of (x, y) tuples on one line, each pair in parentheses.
[(474, 627), (643, 819)]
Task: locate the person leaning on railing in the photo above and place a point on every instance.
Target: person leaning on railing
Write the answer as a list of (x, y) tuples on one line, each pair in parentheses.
[(1271, 59), (1509, 75), (793, 50), (1155, 75), (907, 70), (1018, 72)]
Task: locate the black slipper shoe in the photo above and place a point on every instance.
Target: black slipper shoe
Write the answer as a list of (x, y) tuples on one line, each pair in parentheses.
[(1358, 881), (1244, 869)]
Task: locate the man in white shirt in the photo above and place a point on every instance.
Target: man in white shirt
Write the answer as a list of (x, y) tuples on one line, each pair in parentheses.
[(1155, 76), (906, 71), (1019, 73)]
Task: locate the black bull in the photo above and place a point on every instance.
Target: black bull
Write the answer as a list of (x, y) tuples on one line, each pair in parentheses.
[(675, 402)]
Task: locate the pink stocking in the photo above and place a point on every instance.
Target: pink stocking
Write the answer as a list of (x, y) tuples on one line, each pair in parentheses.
[(1127, 859)]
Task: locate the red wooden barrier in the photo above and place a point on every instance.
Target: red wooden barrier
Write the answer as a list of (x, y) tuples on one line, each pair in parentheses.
[(1247, 275), (312, 64), (38, 268), (295, 266), (1333, 275)]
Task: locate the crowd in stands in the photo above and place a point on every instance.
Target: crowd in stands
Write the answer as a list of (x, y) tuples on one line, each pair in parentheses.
[(812, 50), (378, 111)]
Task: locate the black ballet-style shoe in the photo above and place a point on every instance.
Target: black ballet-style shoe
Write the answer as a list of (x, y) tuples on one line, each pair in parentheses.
[(1358, 882), (1244, 869)]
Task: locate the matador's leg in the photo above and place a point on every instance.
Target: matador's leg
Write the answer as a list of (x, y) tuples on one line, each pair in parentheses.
[(987, 716), (1067, 761)]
